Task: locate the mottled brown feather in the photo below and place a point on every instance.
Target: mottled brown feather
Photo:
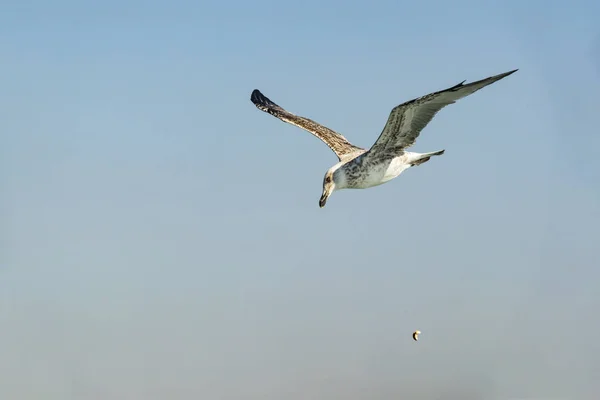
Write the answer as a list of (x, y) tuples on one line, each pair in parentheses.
[(336, 142)]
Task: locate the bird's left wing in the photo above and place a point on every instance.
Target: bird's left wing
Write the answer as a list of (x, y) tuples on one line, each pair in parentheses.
[(407, 120), (336, 142)]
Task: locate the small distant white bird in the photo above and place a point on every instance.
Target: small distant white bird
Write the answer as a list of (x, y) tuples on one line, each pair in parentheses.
[(359, 168), (416, 335)]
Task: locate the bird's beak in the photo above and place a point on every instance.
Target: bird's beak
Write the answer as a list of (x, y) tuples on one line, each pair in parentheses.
[(323, 199)]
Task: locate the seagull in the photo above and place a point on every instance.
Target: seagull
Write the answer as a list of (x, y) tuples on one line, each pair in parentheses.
[(359, 168)]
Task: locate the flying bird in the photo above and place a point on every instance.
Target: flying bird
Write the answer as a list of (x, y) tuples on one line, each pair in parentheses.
[(359, 168), (415, 335)]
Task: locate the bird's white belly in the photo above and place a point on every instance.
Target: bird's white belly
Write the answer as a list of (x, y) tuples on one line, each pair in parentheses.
[(395, 168), (381, 173)]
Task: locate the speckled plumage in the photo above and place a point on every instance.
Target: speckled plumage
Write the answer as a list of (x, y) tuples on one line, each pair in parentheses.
[(359, 168)]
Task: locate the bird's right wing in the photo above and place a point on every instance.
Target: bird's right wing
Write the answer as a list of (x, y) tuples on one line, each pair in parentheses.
[(407, 120), (336, 142)]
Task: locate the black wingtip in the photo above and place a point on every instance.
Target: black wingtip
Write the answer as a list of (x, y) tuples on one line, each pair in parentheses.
[(258, 98), (504, 75), (255, 96), (261, 101), (493, 78)]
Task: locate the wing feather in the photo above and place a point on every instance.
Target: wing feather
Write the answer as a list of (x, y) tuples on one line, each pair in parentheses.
[(336, 142), (407, 120)]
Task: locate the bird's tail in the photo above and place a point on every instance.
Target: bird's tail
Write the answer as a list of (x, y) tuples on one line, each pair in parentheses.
[(418, 158), (427, 155), (433, 153)]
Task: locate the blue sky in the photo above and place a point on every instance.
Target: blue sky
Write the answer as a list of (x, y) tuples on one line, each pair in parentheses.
[(162, 237)]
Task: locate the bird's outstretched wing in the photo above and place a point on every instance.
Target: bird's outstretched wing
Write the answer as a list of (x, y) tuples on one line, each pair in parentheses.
[(407, 120), (336, 142)]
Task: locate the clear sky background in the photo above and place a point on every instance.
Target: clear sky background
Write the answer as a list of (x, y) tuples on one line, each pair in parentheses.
[(161, 237)]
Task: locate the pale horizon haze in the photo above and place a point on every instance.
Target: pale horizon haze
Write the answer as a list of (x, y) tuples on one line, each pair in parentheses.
[(161, 237)]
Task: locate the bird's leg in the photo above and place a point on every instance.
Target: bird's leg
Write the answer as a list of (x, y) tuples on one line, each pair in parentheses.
[(421, 161)]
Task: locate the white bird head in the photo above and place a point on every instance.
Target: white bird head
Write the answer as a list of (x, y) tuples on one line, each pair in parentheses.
[(333, 180)]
